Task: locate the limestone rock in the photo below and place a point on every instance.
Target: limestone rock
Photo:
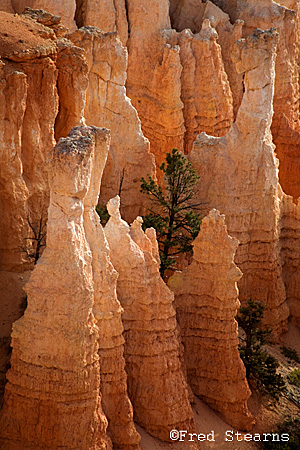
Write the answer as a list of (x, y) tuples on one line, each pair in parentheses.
[(107, 105), (156, 385), (206, 298), (107, 15), (205, 90), (107, 312), (191, 14), (286, 119), (52, 398), (27, 116), (65, 9), (153, 77), (39, 73), (6, 5), (238, 175), (290, 254)]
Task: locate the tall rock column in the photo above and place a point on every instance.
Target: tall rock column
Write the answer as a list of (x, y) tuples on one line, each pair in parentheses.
[(52, 397), (153, 77), (206, 298), (156, 385), (129, 158), (239, 176), (107, 312)]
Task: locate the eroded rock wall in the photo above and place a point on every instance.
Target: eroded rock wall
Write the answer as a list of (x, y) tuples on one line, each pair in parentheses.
[(239, 176), (205, 90), (206, 299), (290, 254), (285, 125), (107, 105), (65, 9), (52, 397), (156, 385), (107, 15)]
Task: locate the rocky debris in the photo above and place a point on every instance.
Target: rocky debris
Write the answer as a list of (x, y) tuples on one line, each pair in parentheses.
[(107, 15), (52, 397), (238, 175), (107, 105), (107, 311), (156, 385), (65, 9), (206, 298)]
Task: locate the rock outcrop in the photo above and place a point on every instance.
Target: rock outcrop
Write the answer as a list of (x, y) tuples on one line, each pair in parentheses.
[(205, 91), (153, 77), (107, 105), (286, 124), (238, 175), (41, 87), (290, 254), (156, 385), (107, 15), (107, 311), (65, 9), (52, 397), (206, 299)]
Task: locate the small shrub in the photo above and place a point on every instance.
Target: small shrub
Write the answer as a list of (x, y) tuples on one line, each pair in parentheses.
[(103, 214), (259, 364), (294, 377), (290, 354), (292, 427)]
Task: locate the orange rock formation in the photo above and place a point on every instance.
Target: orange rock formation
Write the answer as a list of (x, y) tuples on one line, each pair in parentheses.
[(107, 15), (290, 254), (52, 398), (156, 384), (239, 177), (107, 311), (286, 124), (65, 9), (206, 298), (107, 105), (153, 77)]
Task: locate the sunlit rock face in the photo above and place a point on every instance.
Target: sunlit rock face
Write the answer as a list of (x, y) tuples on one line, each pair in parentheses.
[(107, 105), (52, 397), (156, 385), (206, 299), (239, 176)]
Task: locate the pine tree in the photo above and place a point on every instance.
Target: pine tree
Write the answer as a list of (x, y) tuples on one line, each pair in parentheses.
[(173, 215)]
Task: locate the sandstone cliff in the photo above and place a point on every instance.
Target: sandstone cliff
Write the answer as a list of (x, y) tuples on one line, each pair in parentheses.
[(52, 398), (206, 298), (107, 105), (239, 177), (156, 385)]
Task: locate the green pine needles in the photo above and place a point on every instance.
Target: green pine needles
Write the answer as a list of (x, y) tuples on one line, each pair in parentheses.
[(173, 215), (260, 366)]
